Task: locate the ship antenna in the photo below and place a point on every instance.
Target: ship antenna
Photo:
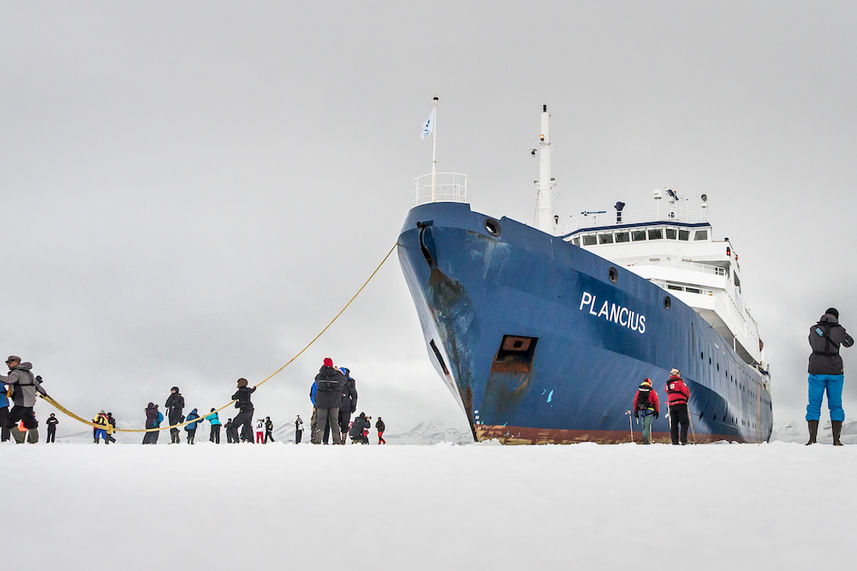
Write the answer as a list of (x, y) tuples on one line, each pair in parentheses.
[(544, 204)]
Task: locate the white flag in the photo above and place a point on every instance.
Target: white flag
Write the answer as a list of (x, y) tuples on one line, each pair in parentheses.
[(428, 126)]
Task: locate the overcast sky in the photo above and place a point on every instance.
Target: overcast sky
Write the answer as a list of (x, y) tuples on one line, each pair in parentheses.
[(191, 190)]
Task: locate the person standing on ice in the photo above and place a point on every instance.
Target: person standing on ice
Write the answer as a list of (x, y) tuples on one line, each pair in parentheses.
[(152, 414), (112, 423), (4, 413), (328, 396), (826, 373), (269, 430), (101, 423), (380, 427), (24, 386), (299, 429), (646, 404), (348, 406), (52, 422), (677, 396), (191, 428), (230, 432), (260, 431), (174, 406), (214, 421), (244, 420)]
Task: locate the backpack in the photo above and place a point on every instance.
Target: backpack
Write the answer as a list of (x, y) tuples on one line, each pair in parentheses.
[(643, 398)]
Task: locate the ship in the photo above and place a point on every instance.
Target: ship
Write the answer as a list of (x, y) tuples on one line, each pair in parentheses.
[(543, 333)]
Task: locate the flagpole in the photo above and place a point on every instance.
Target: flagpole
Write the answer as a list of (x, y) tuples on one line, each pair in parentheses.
[(434, 150)]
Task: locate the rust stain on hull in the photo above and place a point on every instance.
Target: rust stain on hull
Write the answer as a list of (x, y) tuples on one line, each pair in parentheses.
[(526, 435)]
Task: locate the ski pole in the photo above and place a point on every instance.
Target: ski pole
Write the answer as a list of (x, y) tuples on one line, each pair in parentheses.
[(690, 418), (630, 424)]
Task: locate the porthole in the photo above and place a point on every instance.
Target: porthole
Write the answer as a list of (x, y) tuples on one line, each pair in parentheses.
[(613, 274), (709, 360), (718, 367), (492, 226), (702, 355), (667, 302)]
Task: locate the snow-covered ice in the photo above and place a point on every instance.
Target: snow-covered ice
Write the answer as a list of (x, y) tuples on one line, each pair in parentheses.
[(481, 506)]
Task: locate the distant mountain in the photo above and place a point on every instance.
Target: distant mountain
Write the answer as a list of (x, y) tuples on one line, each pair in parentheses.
[(796, 431)]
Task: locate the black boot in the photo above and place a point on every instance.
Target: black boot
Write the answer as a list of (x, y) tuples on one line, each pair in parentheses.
[(813, 431), (837, 431)]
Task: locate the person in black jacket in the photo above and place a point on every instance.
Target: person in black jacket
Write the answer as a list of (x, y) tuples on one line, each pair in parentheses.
[(244, 419), (174, 406), (152, 413), (230, 432), (112, 422), (826, 373), (299, 429), (349, 400), (360, 425), (52, 422), (269, 430), (380, 427), (328, 396)]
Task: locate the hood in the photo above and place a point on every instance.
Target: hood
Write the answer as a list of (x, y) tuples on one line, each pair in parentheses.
[(23, 366), (826, 318), (151, 405)]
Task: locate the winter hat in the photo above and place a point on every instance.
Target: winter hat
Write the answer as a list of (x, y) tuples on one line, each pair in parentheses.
[(242, 382), (674, 372), (174, 389), (345, 371), (212, 410), (831, 310), (647, 381), (328, 362)]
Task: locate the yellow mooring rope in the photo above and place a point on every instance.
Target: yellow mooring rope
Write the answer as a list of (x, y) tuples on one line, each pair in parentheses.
[(79, 418)]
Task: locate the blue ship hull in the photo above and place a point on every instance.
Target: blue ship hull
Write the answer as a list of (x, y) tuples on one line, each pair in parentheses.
[(541, 344)]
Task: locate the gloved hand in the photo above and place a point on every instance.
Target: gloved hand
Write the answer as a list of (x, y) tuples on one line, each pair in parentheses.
[(636, 414), (656, 416)]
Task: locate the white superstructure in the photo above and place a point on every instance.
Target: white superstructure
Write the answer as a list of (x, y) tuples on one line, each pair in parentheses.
[(674, 248)]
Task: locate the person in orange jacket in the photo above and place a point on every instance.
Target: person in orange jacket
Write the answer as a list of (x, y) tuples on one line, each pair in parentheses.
[(677, 396), (646, 404)]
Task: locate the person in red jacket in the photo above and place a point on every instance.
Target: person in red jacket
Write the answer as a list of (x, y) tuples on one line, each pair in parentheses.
[(646, 404), (677, 396)]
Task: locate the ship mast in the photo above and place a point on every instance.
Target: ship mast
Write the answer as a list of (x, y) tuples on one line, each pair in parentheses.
[(545, 220)]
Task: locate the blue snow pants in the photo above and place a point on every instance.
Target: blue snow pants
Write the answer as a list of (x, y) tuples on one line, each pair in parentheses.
[(833, 385)]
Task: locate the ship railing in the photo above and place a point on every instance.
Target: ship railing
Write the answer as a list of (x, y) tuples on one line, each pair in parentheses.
[(670, 263), (446, 187), (658, 216)]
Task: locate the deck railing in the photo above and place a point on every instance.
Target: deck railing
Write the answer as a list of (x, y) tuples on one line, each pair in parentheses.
[(448, 187)]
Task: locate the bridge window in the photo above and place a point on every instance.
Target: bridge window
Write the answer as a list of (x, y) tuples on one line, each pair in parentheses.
[(656, 234), (623, 237), (692, 290), (638, 235), (575, 241), (684, 235), (605, 238), (589, 240), (700, 235), (671, 233)]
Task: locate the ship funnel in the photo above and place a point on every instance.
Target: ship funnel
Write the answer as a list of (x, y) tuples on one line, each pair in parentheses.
[(619, 206)]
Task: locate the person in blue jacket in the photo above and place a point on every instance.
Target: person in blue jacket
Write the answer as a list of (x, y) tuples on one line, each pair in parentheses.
[(214, 420), (4, 414), (191, 428)]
